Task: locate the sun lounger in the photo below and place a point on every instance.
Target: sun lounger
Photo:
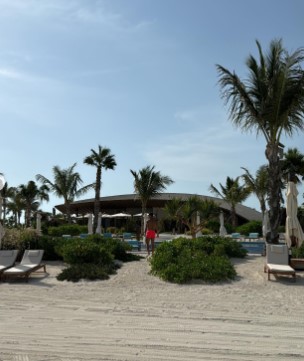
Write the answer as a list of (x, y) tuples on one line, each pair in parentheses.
[(7, 259), (277, 262), (31, 262)]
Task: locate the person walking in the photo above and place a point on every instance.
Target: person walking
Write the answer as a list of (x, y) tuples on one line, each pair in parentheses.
[(151, 232)]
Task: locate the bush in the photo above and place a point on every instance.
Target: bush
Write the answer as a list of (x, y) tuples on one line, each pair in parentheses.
[(71, 229), (116, 247), (250, 227), (78, 251), (20, 239), (183, 260), (49, 245), (84, 271), (298, 252)]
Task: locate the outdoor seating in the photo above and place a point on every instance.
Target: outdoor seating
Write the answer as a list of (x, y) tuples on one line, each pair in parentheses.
[(31, 262), (126, 236), (253, 236), (7, 259), (235, 235), (277, 261), (107, 235)]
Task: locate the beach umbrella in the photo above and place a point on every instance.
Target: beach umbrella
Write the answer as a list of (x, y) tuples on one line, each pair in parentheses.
[(90, 223), (223, 230), (105, 215), (293, 231), (266, 224), (38, 223), (99, 219), (121, 215)]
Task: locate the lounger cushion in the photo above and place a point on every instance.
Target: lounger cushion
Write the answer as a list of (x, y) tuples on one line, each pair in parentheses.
[(8, 253), (33, 253), (280, 268)]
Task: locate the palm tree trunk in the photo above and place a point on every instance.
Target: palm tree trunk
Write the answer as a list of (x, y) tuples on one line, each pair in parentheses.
[(143, 212), (97, 198), (233, 216), (68, 211), (274, 190)]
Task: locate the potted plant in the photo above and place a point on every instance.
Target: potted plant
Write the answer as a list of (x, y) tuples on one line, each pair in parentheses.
[(297, 257)]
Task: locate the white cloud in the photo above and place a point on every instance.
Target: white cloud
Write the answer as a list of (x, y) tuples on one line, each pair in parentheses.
[(73, 10), (206, 155), (10, 74)]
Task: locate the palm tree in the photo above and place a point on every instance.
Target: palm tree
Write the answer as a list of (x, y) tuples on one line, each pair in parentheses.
[(148, 183), (293, 165), (31, 195), (5, 193), (186, 212), (258, 184), (270, 102), (232, 193), (16, 205), (102, 158), (65, 185)]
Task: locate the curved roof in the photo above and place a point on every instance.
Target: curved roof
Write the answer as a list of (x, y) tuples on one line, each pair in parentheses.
[(131, 201)]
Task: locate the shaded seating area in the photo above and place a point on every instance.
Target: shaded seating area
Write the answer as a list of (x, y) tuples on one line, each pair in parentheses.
[(7, 259), (277, 261), (31, 262)]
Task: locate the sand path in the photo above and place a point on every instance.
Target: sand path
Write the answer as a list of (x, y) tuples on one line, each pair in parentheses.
[(135, 316)]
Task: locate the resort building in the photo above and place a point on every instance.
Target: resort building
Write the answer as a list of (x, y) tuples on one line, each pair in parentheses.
[(131, 204)]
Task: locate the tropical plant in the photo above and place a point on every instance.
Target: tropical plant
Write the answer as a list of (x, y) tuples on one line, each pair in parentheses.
[(258, 184), (270, 102), (102, 158), (16, 205), (293, 165), (31, 195), (193, 212), (148, 183), (66, 185), (5, 193), (232, 193)]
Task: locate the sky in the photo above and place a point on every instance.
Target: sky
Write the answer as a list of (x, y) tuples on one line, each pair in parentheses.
[(138, 77)]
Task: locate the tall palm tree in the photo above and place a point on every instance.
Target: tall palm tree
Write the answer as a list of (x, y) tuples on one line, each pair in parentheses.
[(102, 158), (270, 102), (232, 193), (258, 184), (293, 165), (65, 185), (31, 195), (16, 205), (5, 193), (148, 183)]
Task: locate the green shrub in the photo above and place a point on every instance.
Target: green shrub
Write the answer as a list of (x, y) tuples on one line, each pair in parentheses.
[(250, 227), (49, 245), (183, 260), (91, 272), (71, 229), (298, 252), (78, 251), (20, 239)]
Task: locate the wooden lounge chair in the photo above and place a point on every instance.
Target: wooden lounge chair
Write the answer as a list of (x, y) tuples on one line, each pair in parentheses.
[(31, 262), (7, 259), (277, 262)]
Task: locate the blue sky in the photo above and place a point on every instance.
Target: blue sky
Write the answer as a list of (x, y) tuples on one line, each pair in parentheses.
[(137, 76)]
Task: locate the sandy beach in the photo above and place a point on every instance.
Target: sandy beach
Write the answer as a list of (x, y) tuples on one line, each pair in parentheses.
[(136, 316)]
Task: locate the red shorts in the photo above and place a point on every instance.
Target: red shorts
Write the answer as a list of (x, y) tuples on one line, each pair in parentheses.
[(150, 234)]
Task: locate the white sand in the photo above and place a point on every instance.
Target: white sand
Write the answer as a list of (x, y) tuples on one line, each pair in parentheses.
[(135, 316)]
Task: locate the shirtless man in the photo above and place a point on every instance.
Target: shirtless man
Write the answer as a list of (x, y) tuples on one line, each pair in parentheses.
[(151, 231)]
